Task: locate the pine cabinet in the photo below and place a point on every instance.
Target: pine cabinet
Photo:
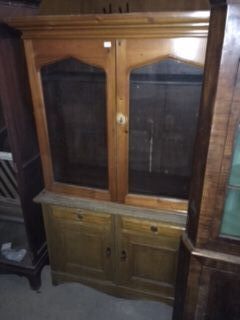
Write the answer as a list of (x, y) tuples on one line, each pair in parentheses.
[(116, 103)]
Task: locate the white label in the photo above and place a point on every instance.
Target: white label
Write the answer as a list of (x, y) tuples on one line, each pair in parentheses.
[(107, 44)]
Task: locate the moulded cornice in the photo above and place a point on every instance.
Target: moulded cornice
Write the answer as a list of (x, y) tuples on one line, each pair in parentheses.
[(114, 25)]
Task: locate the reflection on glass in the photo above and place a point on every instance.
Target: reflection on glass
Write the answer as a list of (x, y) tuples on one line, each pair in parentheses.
[(75, 101), (235, 171), (164, 104), (231, 215)]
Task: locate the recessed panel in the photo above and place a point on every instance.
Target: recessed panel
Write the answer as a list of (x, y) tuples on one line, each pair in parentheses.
[(155, 264)]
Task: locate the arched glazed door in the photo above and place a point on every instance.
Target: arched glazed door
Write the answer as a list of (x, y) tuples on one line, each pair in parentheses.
[(159, 89), (75, 106)]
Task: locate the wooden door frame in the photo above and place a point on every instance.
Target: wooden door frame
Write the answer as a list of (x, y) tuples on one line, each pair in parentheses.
[(36, 58), (127, 60)]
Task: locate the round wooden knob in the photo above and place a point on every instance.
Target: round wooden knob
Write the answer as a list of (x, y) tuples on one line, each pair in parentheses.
[(154, 228)]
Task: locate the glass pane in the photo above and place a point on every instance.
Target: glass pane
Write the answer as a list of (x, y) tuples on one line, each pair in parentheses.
[(231, 215), (231, 221), (235, 171), (164, 104), (75, 100)]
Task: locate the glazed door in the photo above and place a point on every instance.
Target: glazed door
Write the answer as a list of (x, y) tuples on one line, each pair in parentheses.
[(158, 97), (74, 91)]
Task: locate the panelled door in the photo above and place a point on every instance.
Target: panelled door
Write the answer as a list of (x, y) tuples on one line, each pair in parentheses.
[(81, 242), (147, 252)]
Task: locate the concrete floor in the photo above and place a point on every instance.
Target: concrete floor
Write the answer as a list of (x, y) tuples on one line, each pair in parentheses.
[(70, 302)]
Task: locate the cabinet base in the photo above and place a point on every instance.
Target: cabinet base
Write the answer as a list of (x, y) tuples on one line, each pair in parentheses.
[(108, 287)]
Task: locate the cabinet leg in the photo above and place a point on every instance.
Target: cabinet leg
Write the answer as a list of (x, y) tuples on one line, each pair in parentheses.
[(35, 281), (54, 281)]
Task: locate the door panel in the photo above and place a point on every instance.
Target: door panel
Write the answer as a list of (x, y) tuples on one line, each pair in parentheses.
[(147, 254), (81, 244)]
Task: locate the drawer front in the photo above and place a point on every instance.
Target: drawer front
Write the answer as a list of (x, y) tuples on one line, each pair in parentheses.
[(82, 216), (150, 228)]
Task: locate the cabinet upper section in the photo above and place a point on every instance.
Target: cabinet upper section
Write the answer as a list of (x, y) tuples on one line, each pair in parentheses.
[(116, 102)]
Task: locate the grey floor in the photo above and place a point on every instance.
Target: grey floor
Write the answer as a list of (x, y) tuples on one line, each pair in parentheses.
[(69, 302)]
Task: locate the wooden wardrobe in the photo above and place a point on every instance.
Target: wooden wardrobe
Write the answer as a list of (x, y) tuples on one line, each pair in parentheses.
[(209, 264), (21, 221)]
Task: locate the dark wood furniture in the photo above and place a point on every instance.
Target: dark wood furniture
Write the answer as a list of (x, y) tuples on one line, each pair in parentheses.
[(59, 7), (208, 287), (21, 220), (116, 102)]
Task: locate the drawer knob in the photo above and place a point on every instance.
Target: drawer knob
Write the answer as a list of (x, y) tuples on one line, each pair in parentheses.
[(123, 256), (79, 216), (154, 228), (108, 252)]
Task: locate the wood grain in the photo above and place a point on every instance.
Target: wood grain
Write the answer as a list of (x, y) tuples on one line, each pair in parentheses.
[(137, 25), (210, 284), (221, 121)]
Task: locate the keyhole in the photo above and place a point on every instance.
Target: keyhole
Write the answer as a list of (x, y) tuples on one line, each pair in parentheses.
[(121, 119)]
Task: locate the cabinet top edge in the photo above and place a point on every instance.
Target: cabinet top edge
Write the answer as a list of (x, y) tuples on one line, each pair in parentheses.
[(49, 198), (193, 19)]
